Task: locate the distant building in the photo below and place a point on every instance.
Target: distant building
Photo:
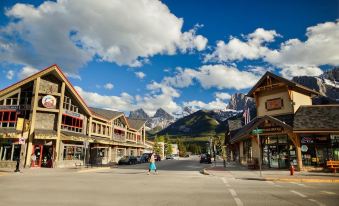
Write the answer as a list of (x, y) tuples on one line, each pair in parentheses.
[(175, 149), (292, 130)]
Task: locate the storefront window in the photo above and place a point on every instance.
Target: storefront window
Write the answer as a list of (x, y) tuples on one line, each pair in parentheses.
[(334, 152), (314, 150), (247, 149), (10, 152), (73, 152)]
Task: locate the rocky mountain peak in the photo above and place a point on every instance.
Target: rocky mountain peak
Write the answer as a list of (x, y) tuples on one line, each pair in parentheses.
[(239, 101), (139, 114), (161, 113)]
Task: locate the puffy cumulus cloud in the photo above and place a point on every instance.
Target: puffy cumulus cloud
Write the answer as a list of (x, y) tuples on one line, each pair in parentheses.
[(219, 76), (160, 96), (26, 72), (140, 75), (222, 95), (108, 86), (252, 47), (10, 74), (217, 104), (126, 32), (292, 71), (320, 48), (124, 102)]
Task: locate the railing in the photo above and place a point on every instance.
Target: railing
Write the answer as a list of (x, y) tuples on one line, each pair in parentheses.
[(119, 138)]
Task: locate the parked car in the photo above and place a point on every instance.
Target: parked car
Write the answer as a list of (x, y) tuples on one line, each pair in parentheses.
[(169, 157), (205, 158), (175, 156), (145, 157), (127, 160), (138, 159), (157, 157)]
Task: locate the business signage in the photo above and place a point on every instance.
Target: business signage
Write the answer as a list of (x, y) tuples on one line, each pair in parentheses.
[(49, 101), (73, 114), (4, 107), (274, 104)]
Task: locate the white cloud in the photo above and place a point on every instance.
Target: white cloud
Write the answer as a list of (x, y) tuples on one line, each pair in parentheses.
[(10, 74), (219, 76), (26, 72), (320, 48), (222, 95), (126, 32), (252, 48), (140, 75), (108, 86), (213, 105), (292, 71), (161, 96)]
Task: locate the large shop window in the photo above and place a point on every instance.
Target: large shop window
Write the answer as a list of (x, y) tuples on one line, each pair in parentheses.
[(315, 150), (8, 118), (10, 152), (74, 152), (71, 123), (334, 153), (247, 149)]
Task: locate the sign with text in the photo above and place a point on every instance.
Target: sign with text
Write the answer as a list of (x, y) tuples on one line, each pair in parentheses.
[(273, 104), (73, 114), (3, 107)]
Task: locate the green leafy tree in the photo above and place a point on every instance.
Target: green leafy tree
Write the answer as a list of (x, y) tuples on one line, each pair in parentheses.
[(156, 147), (168, 149)]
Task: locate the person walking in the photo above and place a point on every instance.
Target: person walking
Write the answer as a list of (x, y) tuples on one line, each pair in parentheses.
[(152, 165)]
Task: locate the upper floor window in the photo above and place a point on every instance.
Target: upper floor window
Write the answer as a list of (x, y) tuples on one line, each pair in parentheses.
[(71, 123), (10, 101), (8, 118), (69, 106)]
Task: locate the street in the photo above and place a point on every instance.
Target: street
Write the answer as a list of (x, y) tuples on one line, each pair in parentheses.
[(178, 182)]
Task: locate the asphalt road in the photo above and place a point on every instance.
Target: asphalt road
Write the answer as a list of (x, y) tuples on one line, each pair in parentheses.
[(178, 182)]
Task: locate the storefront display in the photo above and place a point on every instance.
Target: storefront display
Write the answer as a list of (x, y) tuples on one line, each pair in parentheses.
[(74, 152), (276, 151), (315, 150)]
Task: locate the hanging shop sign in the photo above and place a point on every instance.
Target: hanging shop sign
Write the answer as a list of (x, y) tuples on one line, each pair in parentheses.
[(49, 101)]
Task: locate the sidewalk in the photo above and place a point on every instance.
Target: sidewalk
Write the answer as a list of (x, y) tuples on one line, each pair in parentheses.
[(235, 170), (42, 171)]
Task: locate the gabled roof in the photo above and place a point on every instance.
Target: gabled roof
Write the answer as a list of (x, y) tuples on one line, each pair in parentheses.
[(247, 129), (108, 114), (136, 123), (289, 83), (317, 118), (45, 72)]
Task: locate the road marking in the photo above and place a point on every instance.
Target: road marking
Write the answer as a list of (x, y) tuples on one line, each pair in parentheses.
[(224, 180), (300, 184), (236, 199), (318, 203), (329, 193), (273, 183), (93, 170), (298, 193)]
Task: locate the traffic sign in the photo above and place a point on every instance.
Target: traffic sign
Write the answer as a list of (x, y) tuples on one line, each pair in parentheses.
[(21, 140), (257, 131)]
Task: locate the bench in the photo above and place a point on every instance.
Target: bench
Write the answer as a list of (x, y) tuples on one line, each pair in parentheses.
[(333, 165)]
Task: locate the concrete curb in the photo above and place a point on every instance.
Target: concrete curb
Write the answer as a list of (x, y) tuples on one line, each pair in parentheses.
[(206, 172)]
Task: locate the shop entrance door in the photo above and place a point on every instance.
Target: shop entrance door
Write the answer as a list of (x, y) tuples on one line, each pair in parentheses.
[(47, 156), (37, 155)]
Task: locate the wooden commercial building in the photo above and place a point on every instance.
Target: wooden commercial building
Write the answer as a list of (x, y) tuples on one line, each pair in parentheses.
[(291, 130), (44, 122)]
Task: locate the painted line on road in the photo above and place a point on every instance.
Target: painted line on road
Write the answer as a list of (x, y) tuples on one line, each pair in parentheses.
[(299, 184), (318, 203), (224, 180), (235, 197), (298, 193), (329, 193), (273, 183)]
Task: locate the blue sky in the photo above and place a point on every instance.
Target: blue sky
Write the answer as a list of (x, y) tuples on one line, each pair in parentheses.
[(125, 55)]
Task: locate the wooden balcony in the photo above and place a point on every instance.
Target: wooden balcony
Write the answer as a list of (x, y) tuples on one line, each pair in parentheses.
[(119, 138)]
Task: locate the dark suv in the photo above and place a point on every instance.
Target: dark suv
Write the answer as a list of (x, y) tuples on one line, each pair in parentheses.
[(128, 160), (205, 158)]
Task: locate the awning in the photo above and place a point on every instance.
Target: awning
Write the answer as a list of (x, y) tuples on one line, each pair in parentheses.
[(45, 134), (102, 140), (72, 136), (9, 133)]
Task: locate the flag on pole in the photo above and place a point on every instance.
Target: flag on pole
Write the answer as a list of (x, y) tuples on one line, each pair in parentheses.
[(247, 115)]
